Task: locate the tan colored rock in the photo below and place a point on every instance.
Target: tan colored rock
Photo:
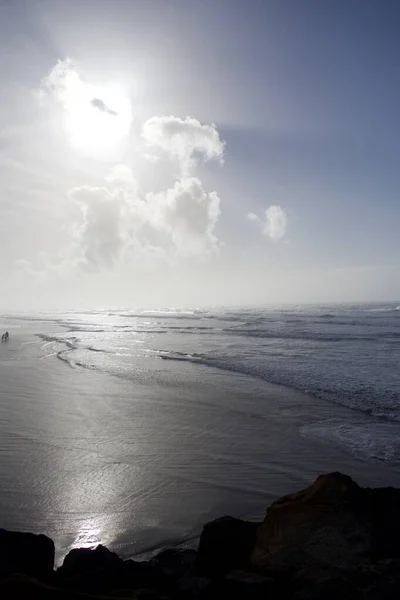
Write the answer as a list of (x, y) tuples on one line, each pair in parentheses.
[(318, 525)]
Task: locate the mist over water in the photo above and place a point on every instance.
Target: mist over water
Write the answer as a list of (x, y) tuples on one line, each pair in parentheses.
[(134, 427)]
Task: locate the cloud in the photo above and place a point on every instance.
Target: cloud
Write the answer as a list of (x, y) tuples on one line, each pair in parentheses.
[(117, 224), (102, 106), (122, 177), (101, 235), (60, 81), (151, 158), (275, 223), (186, 140), (154, 214), (253, 217), (189, 214)]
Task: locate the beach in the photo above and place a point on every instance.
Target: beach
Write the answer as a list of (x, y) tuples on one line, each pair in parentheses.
[(123, 428)]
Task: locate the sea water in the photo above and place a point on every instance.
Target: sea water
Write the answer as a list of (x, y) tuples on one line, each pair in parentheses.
[(133, 427)]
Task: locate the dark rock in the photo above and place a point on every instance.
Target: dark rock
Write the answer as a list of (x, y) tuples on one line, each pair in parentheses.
[(242, 584), (89, 570), (389, 567), (195, 587), (26, 553), (330, 588), (225, 545), (380, 508), (377, 581), (83, 560), (144, 575), (22, 587), (387, 588), (175, 563), (333, 523), (149, 595), (102, 571), (325, 582)]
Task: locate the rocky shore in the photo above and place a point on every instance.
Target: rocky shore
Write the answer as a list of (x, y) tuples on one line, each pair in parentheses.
[(332, 540)]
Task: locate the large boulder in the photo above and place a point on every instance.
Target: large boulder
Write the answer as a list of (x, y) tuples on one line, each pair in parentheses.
[(373, 581), (195, 588), (225, 545), (381, 508), (100, 571), (89, 570), (83, 560), (26, 553), (137, 575), (251, 586), (22, 587), (175, 562), (333, 523)]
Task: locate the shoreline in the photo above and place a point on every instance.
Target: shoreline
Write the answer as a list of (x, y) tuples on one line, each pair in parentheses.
[(91, 458), (333, 536)]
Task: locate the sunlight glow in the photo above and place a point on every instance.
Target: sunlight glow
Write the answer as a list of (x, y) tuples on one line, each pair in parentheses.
[(97, 119), (88, 536)]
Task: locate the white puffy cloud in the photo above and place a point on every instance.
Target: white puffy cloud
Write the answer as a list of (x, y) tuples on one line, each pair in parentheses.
[(151, 158), (116, 223), (121, 176), (101, 235), (158, 212), (187, 140), (61, 80), (275, 222), (189, 214)]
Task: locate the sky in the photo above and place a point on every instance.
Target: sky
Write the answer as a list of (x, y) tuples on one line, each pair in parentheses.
[(198, 152)]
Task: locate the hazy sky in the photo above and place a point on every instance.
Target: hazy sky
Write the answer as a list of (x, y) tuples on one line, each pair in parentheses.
[(173, 152)]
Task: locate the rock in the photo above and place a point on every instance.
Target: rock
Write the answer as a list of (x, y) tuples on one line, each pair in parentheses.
[(22, 587), (387, 588), (26, 553), (242, 584), (330, 588), (145, 576), (175, 563), (195, 587), (147, 595), (83, 560), (381, 508), (389, 567), (89, 570), (332, 523), (225, 545), (100, 571), (379, 581)]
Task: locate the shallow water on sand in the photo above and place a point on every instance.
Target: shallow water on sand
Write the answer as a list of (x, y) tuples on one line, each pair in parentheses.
[(103, 440)]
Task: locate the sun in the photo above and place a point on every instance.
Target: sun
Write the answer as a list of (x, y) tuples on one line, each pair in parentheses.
[(97, 118)]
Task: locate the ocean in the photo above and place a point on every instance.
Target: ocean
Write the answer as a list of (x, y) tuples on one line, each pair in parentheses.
[(133, 428)]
